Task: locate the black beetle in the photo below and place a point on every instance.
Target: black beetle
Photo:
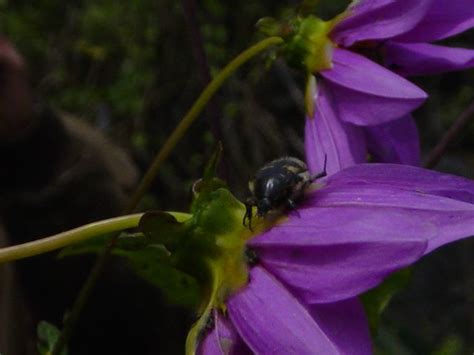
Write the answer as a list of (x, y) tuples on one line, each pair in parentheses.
[(278, 185)]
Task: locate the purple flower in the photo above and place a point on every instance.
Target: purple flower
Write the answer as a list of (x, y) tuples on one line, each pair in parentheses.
[(362, 224), (362, 106)]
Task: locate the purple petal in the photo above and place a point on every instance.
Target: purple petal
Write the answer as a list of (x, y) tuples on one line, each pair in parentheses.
[(379, 19), (443, 201), (394, 142), (448, 222), (272, 321), (423, 58), (368, 94), (331, 254), (386, 196), (345, 323), (326, 135), (407, 178), (368, 221), (444, 18), (223, 339)]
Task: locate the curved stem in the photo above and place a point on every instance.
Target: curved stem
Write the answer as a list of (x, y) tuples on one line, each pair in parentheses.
[(199, 326), (63, 239), (194, 112), (150, 175)]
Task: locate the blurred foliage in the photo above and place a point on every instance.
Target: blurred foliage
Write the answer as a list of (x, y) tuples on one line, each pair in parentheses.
[(130, 68), (375, 301), (48, 335)]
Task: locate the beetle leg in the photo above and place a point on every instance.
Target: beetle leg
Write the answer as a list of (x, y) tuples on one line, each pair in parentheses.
[(248, 213), (322, 173), (251, 256), (291, 204)]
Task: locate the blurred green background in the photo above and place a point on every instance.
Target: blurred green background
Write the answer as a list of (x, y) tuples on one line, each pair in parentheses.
[(133, 68)]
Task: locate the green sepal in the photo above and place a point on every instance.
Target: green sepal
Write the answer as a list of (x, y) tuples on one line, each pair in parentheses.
[(154, 265), (310, 48), (183, 243), (209, 182), (310, 94), (148, 255), (162, 228), (210, 171), (221, 213), (189, 257), (48, 335)]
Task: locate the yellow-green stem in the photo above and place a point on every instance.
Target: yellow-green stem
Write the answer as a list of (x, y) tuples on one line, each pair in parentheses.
[(150, 175), (192, 340), (69, 237)]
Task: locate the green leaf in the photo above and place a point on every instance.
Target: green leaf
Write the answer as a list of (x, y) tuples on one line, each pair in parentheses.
[(202, 188), (184, 242), (149, 258), (48, 335), (173, 251), (162, 228), (210, 171), (376, 300), (153, 265)]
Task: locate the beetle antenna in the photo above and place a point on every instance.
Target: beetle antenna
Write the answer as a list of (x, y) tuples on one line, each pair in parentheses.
[(322, 173)]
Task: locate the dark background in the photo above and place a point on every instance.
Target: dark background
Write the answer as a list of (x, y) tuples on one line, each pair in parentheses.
[(132, 69)]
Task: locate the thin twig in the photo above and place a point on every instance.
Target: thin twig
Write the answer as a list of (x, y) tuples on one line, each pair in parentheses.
[(438, 151), (190, 10), (204, 72)]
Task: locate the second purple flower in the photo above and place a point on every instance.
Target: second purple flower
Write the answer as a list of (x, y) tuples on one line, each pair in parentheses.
[(362, 102)]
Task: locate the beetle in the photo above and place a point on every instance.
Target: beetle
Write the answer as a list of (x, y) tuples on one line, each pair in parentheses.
[(278, 185)]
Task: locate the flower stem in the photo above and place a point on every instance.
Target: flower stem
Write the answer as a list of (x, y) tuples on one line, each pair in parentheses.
[(194, 112), (196, 331), (150, 175), (69, 237), (438, 151)]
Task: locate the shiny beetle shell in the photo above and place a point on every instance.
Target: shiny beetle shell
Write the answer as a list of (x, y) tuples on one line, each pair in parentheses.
[(277, 186)]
